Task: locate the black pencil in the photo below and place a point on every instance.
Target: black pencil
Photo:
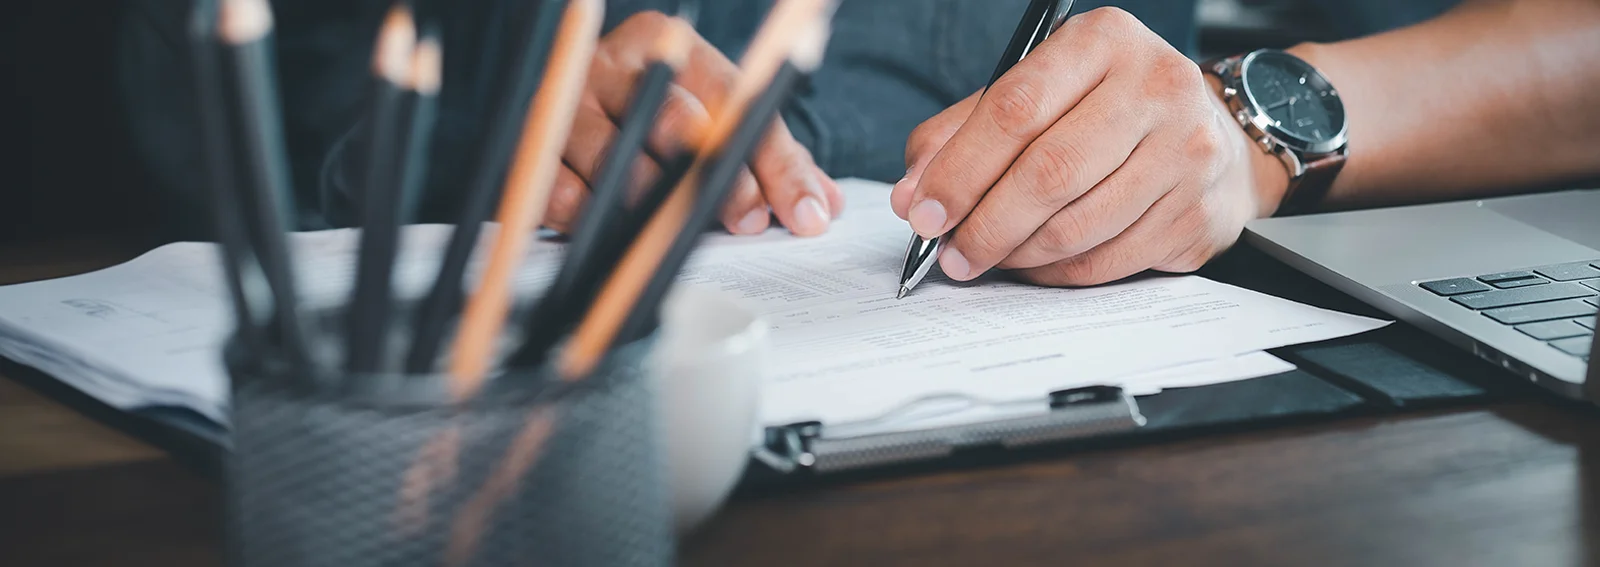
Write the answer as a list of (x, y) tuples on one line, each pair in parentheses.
[(245, 27), (372, 297), (444, 299), (793, 36), (715, 186), (250, 296), (421, 108), (607, 222)]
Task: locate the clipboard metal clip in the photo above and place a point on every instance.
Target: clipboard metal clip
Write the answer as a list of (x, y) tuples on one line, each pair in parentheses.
[(1074, 414)]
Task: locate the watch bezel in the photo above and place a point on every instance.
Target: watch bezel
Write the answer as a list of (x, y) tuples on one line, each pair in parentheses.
[(1259, 118)]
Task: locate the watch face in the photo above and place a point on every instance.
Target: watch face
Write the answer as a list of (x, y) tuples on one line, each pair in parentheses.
[(1293, 101)]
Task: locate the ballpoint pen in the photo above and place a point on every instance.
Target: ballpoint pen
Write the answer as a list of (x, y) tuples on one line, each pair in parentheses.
[(1041, 19)]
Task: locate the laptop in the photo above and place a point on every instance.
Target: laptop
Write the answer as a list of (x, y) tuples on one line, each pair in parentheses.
[(1513, 280)]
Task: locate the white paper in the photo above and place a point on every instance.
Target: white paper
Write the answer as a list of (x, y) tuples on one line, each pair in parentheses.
[(848, 351), (148, 332)]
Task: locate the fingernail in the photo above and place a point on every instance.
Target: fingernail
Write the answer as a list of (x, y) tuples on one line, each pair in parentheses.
[(927, 218), (954, 264), (904, 184), (814, 189), (905, 180), (754, 222), (809, 217)]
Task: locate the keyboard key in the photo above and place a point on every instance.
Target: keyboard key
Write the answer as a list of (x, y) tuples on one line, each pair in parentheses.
[(1586, 323), (1593, 284), (1552, 330), (1506, 276), (1575, 346), (1540, 312), (1521, 296), (1513, 284), (1454, 286), (1569, 272)]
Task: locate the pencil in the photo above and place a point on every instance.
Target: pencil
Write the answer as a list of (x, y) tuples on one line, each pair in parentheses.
[(247, 289), (427, 76), (527, 193), (715, 186), (562, 313), (372, 297), (245, 27), (525, 448), (603, 230), (522, 80), (791, 24)]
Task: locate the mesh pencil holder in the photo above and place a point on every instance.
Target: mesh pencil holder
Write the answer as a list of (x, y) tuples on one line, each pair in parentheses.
[(557, 474)]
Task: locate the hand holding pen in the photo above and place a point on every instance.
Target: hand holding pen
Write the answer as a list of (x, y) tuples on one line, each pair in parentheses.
[(1104, 154), (1041, 18)]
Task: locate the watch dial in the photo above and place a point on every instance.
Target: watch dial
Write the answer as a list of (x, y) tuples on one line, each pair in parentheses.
[(1295, 98)]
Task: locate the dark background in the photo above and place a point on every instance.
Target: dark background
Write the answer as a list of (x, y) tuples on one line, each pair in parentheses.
[(67, 166)]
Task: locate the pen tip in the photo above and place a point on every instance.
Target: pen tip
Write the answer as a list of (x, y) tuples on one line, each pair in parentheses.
[(903, 291)]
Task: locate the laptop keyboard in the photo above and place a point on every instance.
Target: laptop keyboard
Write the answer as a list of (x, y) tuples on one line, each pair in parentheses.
[(1555, 304)]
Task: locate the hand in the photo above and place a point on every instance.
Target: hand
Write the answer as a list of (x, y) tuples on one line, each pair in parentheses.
[(1102, 154), (785, 181)]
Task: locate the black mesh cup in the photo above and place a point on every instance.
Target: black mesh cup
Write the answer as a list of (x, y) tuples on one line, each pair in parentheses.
[(547, 473)]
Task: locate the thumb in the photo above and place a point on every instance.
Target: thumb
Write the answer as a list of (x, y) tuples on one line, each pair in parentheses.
[(925, 143)]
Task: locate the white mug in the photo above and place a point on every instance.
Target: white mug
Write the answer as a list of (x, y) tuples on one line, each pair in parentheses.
[(711, 359)]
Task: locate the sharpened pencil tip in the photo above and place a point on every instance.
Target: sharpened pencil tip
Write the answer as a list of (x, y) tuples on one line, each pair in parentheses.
[(391, 59), (426, 63), (244, 21)]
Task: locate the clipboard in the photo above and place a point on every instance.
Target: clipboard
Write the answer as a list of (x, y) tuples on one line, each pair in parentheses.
[(807, 448)]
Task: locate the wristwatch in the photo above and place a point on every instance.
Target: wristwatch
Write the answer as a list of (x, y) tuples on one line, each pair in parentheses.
[(1293, 112)]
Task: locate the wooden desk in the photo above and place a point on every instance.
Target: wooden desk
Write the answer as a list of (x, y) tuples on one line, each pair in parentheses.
[(1510, 483)]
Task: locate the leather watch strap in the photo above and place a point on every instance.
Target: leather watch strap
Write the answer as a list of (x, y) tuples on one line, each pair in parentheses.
[(1307, 191)]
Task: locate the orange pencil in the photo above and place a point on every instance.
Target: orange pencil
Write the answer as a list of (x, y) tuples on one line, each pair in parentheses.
[(527, 192), (790, 23)]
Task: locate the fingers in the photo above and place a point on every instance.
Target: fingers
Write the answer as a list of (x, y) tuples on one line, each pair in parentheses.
[(566, 200), (790, 182), (592, 136), (783, 179), (1135, 250), (746, 211), (679, 123), (1104, 212), (923, 144), (1077, 153), (1019, 107)]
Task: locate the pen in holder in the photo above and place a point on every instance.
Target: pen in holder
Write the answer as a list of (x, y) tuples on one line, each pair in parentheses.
[(536, 470)]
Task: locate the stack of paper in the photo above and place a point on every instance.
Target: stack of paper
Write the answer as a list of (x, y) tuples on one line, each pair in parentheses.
[(848, 353)]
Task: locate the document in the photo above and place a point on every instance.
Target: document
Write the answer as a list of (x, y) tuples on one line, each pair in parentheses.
[(149, 332), (848, 351)]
